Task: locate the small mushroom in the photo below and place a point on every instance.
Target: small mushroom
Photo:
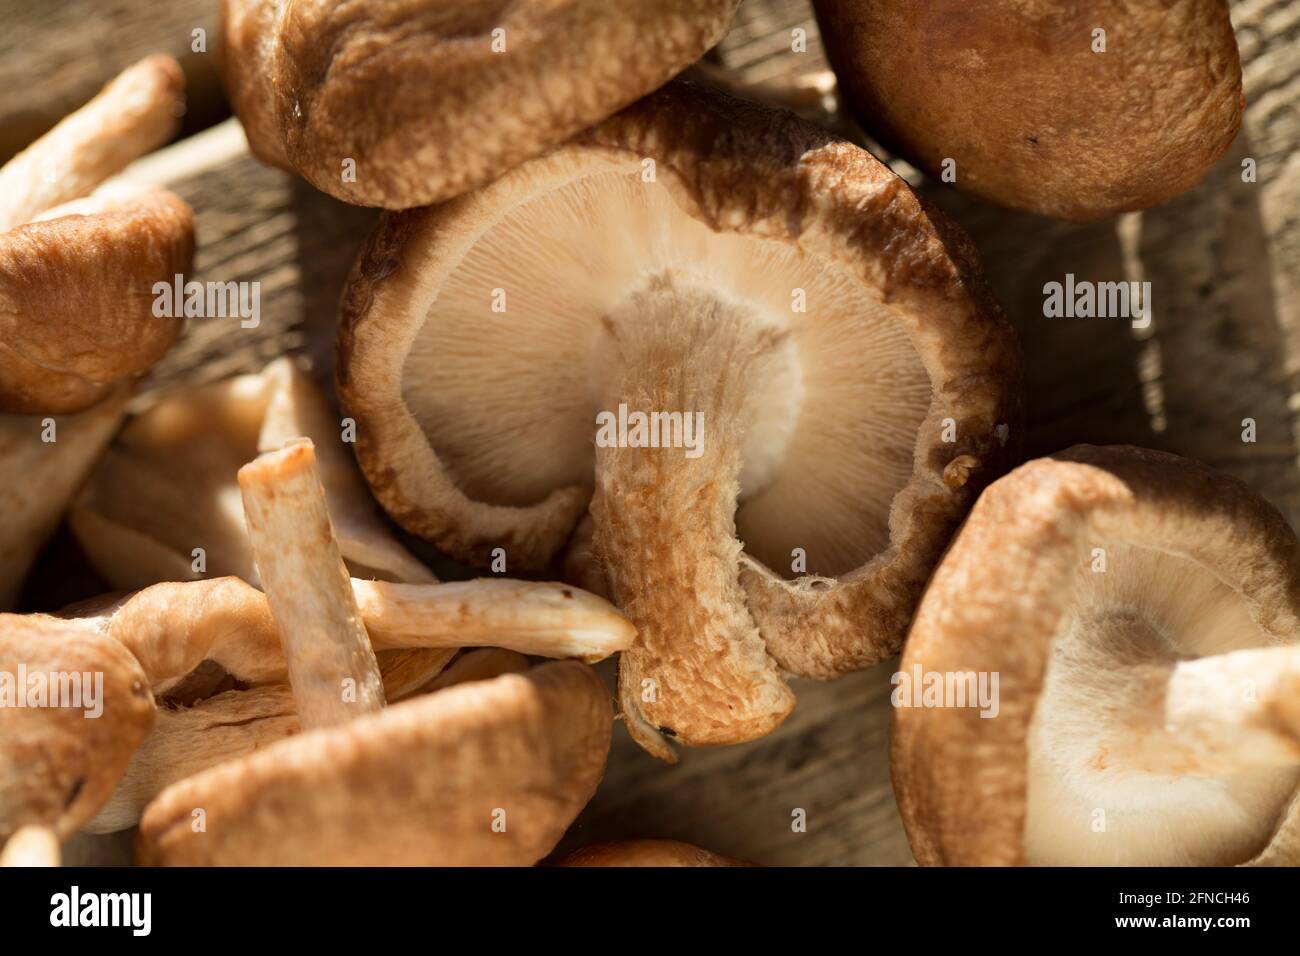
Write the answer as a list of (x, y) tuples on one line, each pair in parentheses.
[(1078, 113), (660, 853), (828, 338), (1141, 614), (73, 709), (31, 846), (77, 274), (468, 90), (168, 486)]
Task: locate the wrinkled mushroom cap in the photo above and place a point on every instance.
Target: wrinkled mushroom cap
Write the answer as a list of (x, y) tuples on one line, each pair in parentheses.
[(1033, 118), (419, 783), (76, 299), (1195, 566), (59, 764), (475, 426), (414, 93), (671, 853)]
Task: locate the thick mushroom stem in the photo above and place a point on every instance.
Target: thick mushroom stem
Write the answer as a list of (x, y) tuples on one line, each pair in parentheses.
[(665, 527), (331, 664), (31, 846), (1223, 714), (135, 113)]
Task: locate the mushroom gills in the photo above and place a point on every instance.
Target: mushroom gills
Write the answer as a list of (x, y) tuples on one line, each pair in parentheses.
[(521, 316), (1148, 745)]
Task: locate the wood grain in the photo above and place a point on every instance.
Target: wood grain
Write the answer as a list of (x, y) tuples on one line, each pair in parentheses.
[(57, 54)]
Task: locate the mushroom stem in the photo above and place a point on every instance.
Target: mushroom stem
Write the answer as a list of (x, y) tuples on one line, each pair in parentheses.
[(172, 628), (665, 520), (136, 112), (544, 619), (1229, 713), (331, 664), (31, 846)]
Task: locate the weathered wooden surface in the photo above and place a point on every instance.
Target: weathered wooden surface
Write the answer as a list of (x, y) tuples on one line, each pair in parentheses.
[(57, 54), (1224, 345), (815, 792)]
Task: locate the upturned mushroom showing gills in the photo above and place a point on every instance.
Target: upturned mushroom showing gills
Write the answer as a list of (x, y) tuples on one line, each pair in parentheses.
[(1077, 111), (399, 104), (772, 377), (1142, 614)]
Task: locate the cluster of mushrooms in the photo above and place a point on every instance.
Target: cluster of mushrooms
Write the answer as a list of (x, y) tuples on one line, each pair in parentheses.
[(286, 683)]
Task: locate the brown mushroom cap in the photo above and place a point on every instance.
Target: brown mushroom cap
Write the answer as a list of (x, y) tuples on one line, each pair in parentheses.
[(230, 725), (653, 261), (58, 764), (420, 783), (76, 300), (645, 853), (415, 94), (77, 271), (1034, 119), (1148, 712)]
